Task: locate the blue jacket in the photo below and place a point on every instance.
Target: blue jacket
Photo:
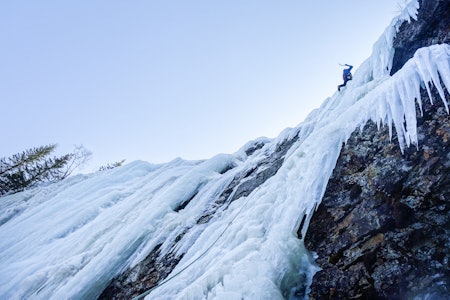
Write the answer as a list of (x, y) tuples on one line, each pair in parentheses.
[(347, 72)]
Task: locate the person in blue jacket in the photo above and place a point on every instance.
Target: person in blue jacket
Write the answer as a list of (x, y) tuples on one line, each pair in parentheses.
[(347, 75)]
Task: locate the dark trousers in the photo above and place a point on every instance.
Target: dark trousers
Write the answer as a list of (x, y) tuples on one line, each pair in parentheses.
[(342, 85)]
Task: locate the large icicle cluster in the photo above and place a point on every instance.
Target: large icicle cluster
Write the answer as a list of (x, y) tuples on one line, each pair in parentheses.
[(69, 239), (428, 66)]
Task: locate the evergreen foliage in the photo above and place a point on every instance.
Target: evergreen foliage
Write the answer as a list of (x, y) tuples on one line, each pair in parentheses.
[(33, 166), (112, 166)]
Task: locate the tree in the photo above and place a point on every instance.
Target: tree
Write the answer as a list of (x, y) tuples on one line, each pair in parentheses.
[(112, 166), (33, 166)]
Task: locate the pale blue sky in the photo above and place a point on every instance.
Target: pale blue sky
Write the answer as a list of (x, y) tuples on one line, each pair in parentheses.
[(156, 80)]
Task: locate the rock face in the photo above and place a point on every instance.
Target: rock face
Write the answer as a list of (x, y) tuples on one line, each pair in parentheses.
[(382, 230), (432, 27)]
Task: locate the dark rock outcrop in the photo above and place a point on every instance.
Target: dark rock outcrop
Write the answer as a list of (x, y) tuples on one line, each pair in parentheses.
[(432, 27), (146, 275), (382, 230)]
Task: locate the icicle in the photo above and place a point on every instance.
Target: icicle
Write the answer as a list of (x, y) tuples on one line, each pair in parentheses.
[(426, 61)]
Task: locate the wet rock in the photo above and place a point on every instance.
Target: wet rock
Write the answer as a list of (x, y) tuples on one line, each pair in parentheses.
[(142, 277)]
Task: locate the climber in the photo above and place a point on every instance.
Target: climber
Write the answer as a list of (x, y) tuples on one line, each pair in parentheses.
[(347, 75)]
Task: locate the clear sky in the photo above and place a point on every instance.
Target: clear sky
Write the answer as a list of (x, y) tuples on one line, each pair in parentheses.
[(156, 80)]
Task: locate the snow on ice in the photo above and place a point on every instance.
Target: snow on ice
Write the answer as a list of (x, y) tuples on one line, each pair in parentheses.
[(68, 240)]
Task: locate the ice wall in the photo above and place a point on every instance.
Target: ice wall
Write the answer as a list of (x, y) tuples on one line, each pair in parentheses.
[(67, 240)]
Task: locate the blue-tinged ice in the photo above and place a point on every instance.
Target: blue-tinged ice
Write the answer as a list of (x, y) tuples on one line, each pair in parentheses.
[(68, 240)]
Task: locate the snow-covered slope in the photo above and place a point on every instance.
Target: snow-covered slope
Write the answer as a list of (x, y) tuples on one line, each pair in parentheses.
[(68, 240)]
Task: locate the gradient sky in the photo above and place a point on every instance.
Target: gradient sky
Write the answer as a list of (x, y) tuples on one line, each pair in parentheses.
[(156, 80)]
